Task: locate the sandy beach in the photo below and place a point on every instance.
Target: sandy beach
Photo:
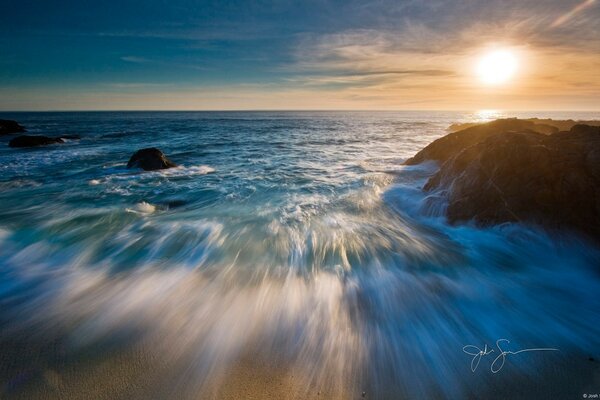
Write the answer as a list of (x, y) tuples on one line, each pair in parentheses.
[(51, 373)]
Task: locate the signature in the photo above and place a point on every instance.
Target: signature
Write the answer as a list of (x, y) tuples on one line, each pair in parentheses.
[(498, 362)]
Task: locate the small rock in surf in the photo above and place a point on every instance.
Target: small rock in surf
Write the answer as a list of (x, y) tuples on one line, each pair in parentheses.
[(150, 159), (33, 141), (8, 126)]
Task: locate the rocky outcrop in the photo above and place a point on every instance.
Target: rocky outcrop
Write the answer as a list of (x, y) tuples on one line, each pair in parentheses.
[(442, 149), (150, 159), (556, 124), (8, 126), (33, 141), (563, 124), (521, 176)]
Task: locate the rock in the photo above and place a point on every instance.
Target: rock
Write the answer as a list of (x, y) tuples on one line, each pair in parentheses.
[(550, 180), (8, 126), (585, 129), (563, 125), (555, 124), (150, 159), (33, 141), (442, 149)]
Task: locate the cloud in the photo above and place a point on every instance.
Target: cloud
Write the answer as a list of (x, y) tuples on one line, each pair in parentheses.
[(365, 58), (134, 59), (566, 17), (417, 57), (137, 85), (320, 53), (162, 62)]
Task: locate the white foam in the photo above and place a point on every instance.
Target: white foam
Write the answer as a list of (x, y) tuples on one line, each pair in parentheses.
[(4, 233), (187, 171), (202, 169), (142, 208)]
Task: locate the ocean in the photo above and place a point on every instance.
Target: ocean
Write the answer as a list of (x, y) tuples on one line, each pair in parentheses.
[(293, 240)]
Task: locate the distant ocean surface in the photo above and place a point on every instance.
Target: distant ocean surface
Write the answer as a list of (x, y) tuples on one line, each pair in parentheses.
[(298, 236)]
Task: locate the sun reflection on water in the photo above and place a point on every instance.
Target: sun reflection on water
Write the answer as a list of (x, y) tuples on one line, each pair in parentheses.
[(487, 115)]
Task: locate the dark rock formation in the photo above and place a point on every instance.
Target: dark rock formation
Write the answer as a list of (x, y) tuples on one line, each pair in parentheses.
[(559, 124), (33, 141), (443, 148), (8, 126), (563, 125), (511, 176), (150, 159)]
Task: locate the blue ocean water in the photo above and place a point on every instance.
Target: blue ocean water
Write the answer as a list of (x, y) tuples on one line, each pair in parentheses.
[(293, 234)]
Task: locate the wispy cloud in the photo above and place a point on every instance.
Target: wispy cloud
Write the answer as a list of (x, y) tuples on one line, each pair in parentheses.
[(416, 58), (572, 13), (318, 53), (138, 85), (162, 62), (135, 59)]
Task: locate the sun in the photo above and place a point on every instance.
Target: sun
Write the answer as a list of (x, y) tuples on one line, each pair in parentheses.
[(497, 67)]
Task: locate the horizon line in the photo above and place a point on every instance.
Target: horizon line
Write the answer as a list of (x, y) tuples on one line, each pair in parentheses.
[(301, 110)]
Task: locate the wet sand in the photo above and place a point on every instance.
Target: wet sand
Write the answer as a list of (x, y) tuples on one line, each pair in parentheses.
[(48, 372)]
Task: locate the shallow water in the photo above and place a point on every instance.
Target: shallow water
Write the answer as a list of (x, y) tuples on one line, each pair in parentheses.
[(297, 236)]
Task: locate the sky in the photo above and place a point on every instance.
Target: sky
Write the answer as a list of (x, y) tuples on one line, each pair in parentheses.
[(311, 54)]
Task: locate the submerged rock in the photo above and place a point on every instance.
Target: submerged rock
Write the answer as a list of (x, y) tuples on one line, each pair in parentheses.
[(33, 141), (513, 176), (8, 126), (150, 159)]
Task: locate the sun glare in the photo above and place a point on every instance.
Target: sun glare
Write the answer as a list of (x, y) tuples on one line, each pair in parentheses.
[(487, 115), (497, 67)]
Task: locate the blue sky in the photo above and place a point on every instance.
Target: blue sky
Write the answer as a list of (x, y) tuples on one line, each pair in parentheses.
[(184, 54)]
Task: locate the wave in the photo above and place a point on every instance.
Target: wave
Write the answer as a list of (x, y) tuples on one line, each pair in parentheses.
[(328, 267), (346, 298), (188, 171), (118, 173), (334, 326)]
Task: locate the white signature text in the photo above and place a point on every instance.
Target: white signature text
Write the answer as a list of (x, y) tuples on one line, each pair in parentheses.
[(498, 362)]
